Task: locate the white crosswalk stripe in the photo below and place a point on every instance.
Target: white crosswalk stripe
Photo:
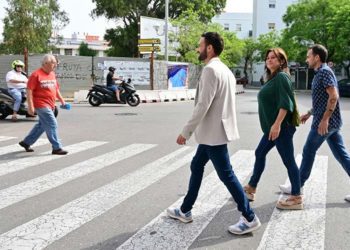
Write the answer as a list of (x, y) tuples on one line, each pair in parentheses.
[(165, 233), (46, 229), (301, 229), (23, 163), (44, 183), (17, 148), (6, 138)]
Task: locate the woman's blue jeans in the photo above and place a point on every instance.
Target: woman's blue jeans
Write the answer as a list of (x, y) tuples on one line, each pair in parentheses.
[(221, 161), (285, 148), (48, 124)]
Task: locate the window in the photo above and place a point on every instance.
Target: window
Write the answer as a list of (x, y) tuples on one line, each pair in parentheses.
[(271, 26), (56, 51), (272, 4), (68, 52), (226, 26), (238, 27)]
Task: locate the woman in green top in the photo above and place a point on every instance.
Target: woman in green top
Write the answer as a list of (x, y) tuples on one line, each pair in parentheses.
[(276, 106)]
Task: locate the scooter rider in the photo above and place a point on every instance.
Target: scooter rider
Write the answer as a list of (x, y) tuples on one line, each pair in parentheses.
[(111, 83), (17, 83)]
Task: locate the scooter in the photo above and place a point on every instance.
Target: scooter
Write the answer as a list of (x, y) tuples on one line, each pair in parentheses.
[(99, 94), (7, 102)]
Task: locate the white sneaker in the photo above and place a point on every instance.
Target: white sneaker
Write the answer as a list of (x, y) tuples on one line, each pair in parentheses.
[(347, 198), (176, 213), (287, 189), (244, 227)]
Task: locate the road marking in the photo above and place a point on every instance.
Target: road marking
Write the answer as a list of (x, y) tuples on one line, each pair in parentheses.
[(301, 229), (6, 138), (17, 148), (165, 233), (46, 182), (23, 163), (46, 229)]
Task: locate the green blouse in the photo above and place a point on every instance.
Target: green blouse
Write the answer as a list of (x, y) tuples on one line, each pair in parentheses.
[(277, 93)]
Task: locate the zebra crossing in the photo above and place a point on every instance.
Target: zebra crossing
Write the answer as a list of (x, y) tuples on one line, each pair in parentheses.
[(284, 230)]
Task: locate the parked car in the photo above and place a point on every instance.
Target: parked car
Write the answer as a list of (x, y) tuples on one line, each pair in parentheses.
[(344, 87)]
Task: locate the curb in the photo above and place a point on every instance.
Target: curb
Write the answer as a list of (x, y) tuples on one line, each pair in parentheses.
[(154, 96)]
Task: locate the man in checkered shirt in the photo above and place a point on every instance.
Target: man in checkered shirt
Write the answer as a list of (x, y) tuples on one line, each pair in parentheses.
[(327, 120)]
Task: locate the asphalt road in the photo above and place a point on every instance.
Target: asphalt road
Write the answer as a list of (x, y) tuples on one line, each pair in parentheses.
[(124, 169)]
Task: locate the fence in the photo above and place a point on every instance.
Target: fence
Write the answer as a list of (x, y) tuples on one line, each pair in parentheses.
[(75, 73)]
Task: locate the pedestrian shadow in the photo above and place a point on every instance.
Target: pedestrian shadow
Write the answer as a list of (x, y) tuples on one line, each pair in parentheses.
[(20, 154), (344, 204), (111, 243)]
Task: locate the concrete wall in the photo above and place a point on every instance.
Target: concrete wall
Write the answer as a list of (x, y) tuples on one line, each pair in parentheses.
[(74, 72)]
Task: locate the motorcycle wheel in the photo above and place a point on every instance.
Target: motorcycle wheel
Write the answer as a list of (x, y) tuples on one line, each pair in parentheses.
[(133, 100), (94, 101), (3, 116), (3, 113)]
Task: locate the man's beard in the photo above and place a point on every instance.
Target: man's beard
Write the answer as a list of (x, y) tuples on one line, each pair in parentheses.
[(203, 55)]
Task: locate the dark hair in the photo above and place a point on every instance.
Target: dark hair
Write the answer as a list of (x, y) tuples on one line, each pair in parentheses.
[(215, 40), (111, 68), (321, 51), (282, 58)]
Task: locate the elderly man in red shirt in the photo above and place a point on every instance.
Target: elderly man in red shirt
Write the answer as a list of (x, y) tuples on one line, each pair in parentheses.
[(42, 91)]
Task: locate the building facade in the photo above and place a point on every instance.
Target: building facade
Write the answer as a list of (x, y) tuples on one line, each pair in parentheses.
[(70, 46), (268, 15), (240, 23)]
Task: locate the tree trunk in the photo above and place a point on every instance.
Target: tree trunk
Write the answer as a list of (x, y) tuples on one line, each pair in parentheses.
[(347, 70), (246, 61)]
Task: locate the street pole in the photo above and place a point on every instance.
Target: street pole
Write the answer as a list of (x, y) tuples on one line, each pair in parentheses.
[(166, 29), (151, 70)]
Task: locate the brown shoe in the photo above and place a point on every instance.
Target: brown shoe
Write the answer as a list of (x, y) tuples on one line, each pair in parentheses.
[(250, 192), (26, 146), (14, 118), (59, 151), (291, 203)]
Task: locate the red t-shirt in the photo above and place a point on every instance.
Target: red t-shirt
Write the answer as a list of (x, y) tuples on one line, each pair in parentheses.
[(44, 87)]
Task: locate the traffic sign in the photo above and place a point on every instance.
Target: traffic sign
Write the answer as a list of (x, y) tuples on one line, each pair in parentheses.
[(149, 41), (149, 48)]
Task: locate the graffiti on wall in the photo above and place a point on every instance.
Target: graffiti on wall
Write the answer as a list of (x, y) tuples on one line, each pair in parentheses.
[(139, 72)]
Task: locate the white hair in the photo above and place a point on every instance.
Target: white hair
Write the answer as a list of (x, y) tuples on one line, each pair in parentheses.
[(48, 58)]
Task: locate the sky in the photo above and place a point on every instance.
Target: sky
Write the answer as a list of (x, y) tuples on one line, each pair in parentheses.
[(81, 21)]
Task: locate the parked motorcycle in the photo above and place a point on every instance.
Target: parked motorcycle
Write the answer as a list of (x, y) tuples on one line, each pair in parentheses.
[(99, 94), (7, 102)]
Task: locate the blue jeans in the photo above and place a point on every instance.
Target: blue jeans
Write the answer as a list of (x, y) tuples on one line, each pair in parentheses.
[(314, 142), (47, 123), (17, 95), (221, 161), (285, 148)]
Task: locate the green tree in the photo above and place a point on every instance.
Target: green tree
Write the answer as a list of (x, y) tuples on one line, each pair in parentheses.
[(189, 30), (84, 50), (29, 23), (123, 40), (249, 51), (318, 21)]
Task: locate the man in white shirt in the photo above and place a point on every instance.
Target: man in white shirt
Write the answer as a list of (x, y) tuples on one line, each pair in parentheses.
[(214, 124), (17, 84)]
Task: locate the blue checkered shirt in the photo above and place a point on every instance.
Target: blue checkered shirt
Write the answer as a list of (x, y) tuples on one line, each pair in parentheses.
[(324, 78)]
